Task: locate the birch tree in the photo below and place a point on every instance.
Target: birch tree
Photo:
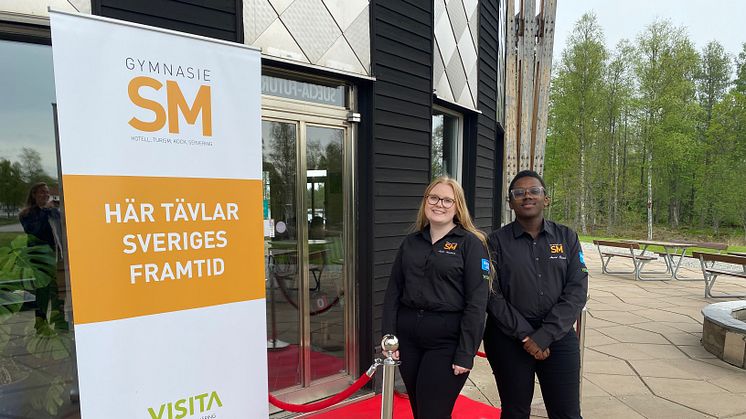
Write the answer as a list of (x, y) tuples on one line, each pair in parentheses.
[(576, 112), (665, 68)]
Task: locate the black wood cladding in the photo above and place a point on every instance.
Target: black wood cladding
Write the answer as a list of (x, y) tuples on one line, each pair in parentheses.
[(221, 19), (402, 59)]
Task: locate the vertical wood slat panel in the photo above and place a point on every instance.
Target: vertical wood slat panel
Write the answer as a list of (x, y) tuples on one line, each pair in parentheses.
[(398, 137), (487, 120), (527, 68), (544, 63), (214, 19), (510, 159)]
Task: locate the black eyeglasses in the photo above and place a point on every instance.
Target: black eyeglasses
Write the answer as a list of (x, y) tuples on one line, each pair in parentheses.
[(518, 193), (434, 199)]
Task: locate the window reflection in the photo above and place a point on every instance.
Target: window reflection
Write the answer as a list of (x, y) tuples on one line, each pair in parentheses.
[(444, 150), (279, 140), (37, 369), (325, 207)]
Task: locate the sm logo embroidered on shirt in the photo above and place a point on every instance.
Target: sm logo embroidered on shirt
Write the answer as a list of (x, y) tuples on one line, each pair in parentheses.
[(450, 246), (556, 248)]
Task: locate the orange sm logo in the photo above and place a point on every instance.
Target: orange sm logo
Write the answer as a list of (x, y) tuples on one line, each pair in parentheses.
[(450, 246), (176, 103), (556, 248)]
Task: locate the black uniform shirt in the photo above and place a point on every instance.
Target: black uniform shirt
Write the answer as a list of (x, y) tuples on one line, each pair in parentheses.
[(450, 275), (543, 280)]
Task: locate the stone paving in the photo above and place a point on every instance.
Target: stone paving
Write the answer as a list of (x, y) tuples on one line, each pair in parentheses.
[(643, 356)]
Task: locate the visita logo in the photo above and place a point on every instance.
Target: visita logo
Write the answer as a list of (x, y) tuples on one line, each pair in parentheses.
[(175, 104), (191, 405)]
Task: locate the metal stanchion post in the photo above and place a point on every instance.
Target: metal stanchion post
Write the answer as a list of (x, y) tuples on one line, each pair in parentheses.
[(580, 330), (389, 344)]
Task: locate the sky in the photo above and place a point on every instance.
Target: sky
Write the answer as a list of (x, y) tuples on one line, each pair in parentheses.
[(705, 20), (27, 92)]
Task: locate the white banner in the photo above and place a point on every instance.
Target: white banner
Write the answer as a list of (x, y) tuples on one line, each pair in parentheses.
[(160, 146)]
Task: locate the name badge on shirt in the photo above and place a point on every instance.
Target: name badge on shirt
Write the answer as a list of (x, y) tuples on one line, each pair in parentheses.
[(449, 248), (557, 250)]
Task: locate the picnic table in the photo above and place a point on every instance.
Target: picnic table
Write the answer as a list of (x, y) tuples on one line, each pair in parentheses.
[(673, 253)]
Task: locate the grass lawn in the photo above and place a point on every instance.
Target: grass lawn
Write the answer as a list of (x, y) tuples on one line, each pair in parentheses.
[(8, 220)]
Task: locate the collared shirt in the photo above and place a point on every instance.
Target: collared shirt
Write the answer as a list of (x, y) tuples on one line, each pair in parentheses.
[(540, 281), (450, 275), (37, 223)]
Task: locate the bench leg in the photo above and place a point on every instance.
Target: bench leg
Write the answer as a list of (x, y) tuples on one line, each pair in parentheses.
[(639, 274), (644, 276), (640, 263), (707, 264), (710, 282), (605, 267)]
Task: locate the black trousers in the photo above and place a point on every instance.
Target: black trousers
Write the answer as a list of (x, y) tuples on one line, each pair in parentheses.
[(427, 344), (514, 369)]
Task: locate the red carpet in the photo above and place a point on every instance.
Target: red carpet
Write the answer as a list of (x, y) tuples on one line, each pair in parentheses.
[(465, 408), (283, 366)]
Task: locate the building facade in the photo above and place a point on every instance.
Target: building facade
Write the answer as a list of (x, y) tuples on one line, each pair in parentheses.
[(363, 103)]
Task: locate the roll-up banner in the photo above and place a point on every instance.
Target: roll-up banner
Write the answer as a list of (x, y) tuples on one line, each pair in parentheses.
[(160, 149)]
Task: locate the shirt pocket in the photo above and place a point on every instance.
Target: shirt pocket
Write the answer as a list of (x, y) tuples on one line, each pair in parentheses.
[(448, 266), (557, 266)]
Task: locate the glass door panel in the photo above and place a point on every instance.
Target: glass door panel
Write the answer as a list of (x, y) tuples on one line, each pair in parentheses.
[(324, 203), (279, 173), (305, 216)]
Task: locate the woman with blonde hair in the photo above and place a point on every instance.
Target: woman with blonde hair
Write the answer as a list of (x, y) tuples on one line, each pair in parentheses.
[(436, 300)]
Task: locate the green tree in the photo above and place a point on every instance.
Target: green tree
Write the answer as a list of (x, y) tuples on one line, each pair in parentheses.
[(665, 67), (740, 82), (576, 113), (713, 79), (31, 165), (617, 91), (11, 186), (726, 136)]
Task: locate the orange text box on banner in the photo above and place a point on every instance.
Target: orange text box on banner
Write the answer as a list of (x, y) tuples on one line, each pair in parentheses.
[(149, 245)]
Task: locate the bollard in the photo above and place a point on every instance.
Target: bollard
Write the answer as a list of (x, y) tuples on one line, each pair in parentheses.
[(580, 330), (389, 344)]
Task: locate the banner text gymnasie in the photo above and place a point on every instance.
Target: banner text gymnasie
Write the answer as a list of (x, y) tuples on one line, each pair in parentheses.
[(179, 211)]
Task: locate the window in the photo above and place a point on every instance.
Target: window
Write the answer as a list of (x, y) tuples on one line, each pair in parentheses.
[(37, 351), (445, 152)]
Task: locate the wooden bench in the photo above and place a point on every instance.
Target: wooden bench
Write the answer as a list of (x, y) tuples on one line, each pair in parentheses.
[(638, 259), (710, 273)]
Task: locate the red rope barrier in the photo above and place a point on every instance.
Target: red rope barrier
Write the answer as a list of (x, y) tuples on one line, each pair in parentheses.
[(323, 404), (312, 407)]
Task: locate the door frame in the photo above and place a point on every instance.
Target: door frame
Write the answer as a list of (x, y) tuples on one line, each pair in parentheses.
[(304, 114)]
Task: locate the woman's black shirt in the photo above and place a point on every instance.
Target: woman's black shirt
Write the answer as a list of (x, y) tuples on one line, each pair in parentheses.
[(448, 276)]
